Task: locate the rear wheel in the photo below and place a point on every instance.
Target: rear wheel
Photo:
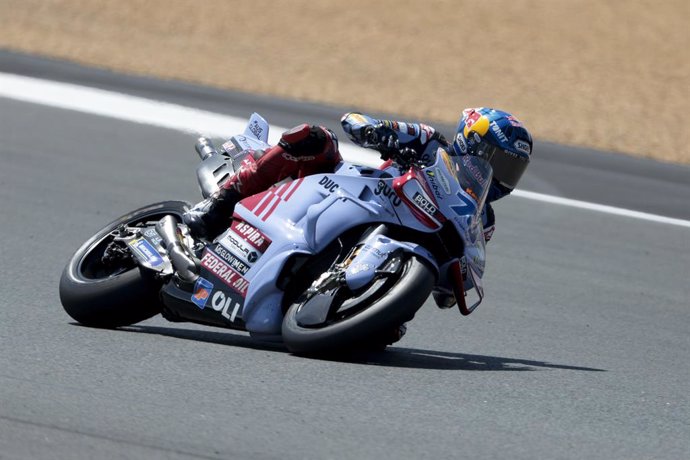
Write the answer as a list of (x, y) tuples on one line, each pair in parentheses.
[(340, 320), (112, 291)]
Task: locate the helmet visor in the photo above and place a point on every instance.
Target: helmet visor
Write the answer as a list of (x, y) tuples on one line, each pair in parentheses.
[(508, 166)]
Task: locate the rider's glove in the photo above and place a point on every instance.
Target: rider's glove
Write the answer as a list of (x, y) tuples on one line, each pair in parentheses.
[(390, 149), (388, 145), (406, 156)]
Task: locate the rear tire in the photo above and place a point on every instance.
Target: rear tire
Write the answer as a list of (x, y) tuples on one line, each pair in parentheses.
[(399, 304), (94, 297)]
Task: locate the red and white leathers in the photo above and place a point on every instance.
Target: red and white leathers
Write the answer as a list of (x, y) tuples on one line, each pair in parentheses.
[(302, 151)]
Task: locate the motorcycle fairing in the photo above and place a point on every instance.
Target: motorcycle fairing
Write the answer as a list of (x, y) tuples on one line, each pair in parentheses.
[(303, 217), (374, 253)]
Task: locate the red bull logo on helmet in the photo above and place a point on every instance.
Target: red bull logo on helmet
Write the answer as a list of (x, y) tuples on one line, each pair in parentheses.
[(475, 122)]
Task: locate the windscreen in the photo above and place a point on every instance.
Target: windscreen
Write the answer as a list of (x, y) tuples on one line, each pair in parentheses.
[(474, 175)]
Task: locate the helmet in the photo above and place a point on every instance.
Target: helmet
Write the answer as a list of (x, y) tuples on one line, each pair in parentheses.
[(498, 137)]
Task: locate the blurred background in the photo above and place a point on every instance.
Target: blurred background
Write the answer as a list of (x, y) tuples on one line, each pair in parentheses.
[(612, 75)]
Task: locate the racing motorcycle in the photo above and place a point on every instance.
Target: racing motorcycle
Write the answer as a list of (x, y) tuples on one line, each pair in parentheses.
[(322, 263)]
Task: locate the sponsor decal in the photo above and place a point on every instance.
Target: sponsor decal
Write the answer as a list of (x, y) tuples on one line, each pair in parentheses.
[(235, 263), (232, 148), (498, 132), (251, 235), (243, 143), (222, 302), (443, 180), (228, 146), (424, 204), (289, 157), (256, 129), (151, 234), (463, 267), (438, 182), (522, 146), (472, 168), (477, 123), (383, 189), (146, 251), (462, 144), (227, 275), (237, 246), (328, 184), (372, 250), (202, 291)]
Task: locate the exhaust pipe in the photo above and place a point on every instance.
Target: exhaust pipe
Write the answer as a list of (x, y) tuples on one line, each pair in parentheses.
[(204, 147), (184, 264)]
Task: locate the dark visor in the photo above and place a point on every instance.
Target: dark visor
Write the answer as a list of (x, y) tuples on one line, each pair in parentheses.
[(508, 166)]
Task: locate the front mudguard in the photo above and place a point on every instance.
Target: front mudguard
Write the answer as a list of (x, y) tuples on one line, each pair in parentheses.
[(374, 252)]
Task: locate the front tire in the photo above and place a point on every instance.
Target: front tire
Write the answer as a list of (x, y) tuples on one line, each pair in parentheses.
[(101, 296), (403, 297)]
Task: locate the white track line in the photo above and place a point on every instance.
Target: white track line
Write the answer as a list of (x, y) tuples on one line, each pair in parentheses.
[(600, 208), (172, 116)]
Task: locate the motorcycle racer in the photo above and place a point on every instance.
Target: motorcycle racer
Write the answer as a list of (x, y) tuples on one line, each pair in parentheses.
[(494, 135)]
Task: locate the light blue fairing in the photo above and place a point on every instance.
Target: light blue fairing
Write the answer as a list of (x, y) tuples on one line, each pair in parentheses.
[(305, 220), (373, 254), (305, 215)]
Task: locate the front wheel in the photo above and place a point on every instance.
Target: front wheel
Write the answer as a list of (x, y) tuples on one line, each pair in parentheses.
[(359, 321), (100, 294)]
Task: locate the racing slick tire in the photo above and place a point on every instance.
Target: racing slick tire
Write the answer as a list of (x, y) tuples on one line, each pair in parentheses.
[(398, 299), (97, 295)]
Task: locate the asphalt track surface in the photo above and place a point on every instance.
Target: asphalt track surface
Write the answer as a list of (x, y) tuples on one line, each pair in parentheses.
[(579, 351)]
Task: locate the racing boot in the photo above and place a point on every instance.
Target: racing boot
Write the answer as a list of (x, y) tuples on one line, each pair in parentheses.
[(208, 218)]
